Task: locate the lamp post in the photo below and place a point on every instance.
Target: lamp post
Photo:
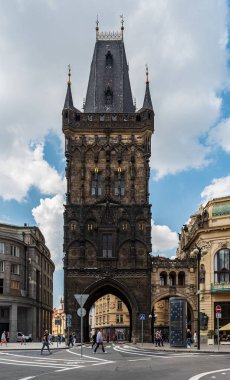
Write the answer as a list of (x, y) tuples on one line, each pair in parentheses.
[(63, 325), (197, 253), (57, 322), (152, 318)]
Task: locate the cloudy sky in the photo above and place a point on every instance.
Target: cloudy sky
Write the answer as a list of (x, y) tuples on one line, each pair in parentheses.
[(185, 44)]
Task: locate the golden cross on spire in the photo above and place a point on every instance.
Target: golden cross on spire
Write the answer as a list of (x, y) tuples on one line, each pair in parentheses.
[(97, 28), (122, 25), (147, 73), (69, 74)]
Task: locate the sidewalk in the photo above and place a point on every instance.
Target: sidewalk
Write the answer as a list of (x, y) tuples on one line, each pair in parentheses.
[(31, 346), (205, 348)]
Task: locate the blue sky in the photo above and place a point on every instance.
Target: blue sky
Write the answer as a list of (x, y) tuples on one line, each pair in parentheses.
[(186, 47)]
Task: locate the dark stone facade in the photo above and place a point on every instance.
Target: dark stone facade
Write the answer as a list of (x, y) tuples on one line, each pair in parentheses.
[(107, 219)]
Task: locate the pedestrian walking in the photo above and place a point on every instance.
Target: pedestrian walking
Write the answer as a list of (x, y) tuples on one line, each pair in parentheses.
[(23, 339), (3, 338), (94, 338), (70, 339), (161, 338), (45, 341), (195, 338), (189, 339), (99, 340), (157, 338)]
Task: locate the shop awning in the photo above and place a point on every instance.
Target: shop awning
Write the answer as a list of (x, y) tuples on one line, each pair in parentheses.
[(225, 327)]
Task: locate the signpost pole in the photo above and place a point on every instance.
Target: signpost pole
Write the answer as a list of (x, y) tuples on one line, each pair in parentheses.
[(142, 330), (218, 332), (81, 326)]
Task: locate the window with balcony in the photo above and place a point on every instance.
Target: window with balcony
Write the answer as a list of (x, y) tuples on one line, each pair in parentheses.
[(222, 266), (15, 269)]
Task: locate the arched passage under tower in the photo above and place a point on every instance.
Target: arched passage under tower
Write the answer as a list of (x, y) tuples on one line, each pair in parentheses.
[(103, 288)]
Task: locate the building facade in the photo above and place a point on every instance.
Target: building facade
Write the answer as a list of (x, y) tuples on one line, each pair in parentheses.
[(107, 218), (209, 229), (112, 316), (26, 281)]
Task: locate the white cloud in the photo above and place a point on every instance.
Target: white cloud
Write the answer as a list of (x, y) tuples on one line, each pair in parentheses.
[(49, 218), (23, 167), (184, 44), (220, 135), (220, 187), (187, 58), (163, 239)]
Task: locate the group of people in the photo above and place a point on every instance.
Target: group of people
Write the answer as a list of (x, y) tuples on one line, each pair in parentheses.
[(159, 339), (190, 339), (98, 340)]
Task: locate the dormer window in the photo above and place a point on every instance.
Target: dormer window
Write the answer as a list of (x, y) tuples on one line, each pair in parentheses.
[(108, 96), (108, 60)]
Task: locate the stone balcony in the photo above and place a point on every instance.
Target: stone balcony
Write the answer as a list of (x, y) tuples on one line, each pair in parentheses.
[(220, 287)]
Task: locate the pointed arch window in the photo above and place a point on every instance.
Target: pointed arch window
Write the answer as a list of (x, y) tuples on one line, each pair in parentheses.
[(96, 184), (119, 183)]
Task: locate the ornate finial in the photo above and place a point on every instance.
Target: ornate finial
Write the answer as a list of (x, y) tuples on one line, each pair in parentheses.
[(69, 74), (122, 25), (97, 28), (147, 73)]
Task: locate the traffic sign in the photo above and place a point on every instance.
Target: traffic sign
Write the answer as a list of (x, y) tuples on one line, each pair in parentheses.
[(218, 315), (142, 317), (81, 298), (81, 312), (68, 323), (218, 309)]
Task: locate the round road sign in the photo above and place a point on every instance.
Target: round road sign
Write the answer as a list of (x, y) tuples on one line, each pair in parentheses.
[(218, 309), (81, 312)]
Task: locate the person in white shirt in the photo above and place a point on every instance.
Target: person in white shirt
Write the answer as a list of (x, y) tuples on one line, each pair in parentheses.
[(99, 341)]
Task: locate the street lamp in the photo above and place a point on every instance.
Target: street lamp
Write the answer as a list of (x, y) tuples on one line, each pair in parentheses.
[(197, 253), (63, 326), (153, 318), (57, 323)]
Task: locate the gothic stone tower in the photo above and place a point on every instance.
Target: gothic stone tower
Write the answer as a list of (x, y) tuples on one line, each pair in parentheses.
[(107, 218)]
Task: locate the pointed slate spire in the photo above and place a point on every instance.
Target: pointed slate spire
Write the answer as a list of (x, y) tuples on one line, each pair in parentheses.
[(109, 67), (68, 98), (147, 100)]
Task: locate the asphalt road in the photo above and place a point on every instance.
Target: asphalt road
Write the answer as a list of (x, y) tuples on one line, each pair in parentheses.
[(120, 362)]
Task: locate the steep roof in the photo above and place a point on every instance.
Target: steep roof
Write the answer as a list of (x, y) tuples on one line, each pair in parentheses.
[(109, 87), (147, 99), (68, 99)]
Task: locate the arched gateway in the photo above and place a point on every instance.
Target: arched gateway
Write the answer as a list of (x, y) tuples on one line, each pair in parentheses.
[(107, 219)]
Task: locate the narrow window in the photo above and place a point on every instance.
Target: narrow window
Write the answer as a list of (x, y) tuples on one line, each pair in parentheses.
[(15, 269), (2, 266), (107, 251), (96, 184), (2, 247), (119, 183), (1, 285), (14, 251)]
